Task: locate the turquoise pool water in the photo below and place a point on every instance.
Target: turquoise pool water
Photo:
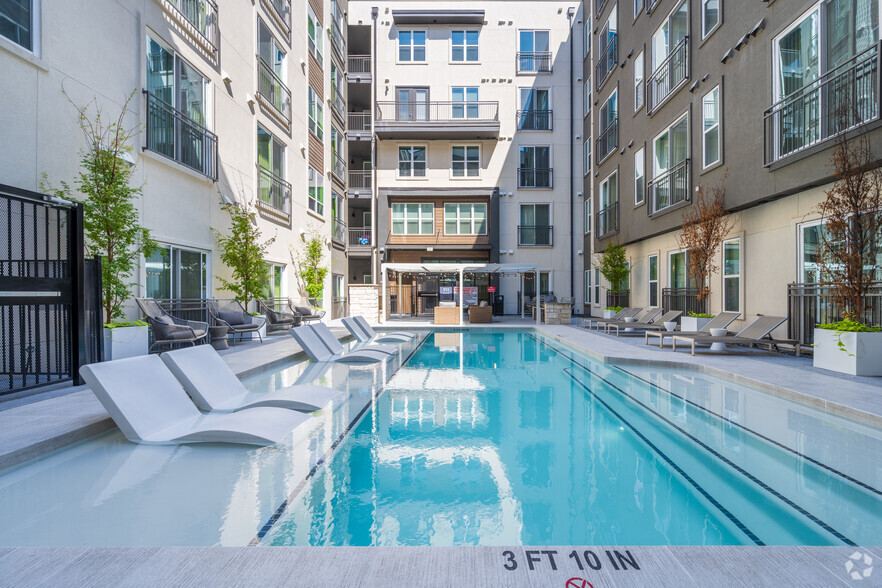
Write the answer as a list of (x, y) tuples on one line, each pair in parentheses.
[(503, 438)]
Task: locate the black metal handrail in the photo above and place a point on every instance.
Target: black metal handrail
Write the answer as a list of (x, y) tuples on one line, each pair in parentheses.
[(841, 99), (273, 190), (359, 122), (621, 298), (534, 177), (607, 141), (534, 61), (668, 76), (812, 304), (359, 64), (201, 19), (607, 220), (670, 188), (418, 112), (534, 120), (360, 179), (173, 134), (683, 299), (535, 235), (272, 89), (606, 61), (339, 167)]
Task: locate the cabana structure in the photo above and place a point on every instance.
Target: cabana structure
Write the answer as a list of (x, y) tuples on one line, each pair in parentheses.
[(459, 270)]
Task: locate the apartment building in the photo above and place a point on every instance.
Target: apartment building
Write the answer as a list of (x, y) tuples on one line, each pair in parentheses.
[(236, 102), (475, 141), (699, 93)]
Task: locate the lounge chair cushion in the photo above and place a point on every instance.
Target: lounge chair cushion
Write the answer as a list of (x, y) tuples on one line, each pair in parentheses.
[(234, 317), (304, 310), (164, 319)]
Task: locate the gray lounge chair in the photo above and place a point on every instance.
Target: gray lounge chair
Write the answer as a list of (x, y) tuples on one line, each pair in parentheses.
[(307, 313), (721, 321), (361, 330), (215, 388), (230, 314), (168, 329), (318, 351), (654, 323), (149, 405), (277, 320), (645, 316), (625, 312), (334, 346), (751, 335)]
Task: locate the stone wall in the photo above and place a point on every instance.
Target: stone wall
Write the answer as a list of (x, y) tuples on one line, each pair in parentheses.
[(364, 300)]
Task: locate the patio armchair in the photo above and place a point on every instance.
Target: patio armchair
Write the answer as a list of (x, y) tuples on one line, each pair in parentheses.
[(278, 320), (168, 329), (306, 311), (231, 314), (753, 334)]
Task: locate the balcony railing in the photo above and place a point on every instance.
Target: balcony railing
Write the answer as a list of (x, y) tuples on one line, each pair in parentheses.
[(668, 76), (534, 177), (339, 168), (608, 141), (670, 188), (199, 18), (273, 190), (339, 230), (281, 10), (360, 122), (337, 40), (606, 61), (683, 299), (359, 64), (844, 98), (535, 235), (172, 133), (360, 180), (360, 237), (338, 103), (420, 112), (607, 220), (273, 90), (534, 61), (812, 304), (534, 120)]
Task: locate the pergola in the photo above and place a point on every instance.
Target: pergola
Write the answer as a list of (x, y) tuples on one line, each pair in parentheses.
[(460, 269)]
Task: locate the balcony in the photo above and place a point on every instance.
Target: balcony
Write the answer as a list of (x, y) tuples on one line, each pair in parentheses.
[(360, 180), (280, 11), (359, 70), (338, 231), (339, 166), (437, 120), (198, 18), (670, 188), (338, 105), (360, 240), (534, 120), (607, 221), (606, 61), (667, 77), (274, 196), (534, 177), (843, 99), (535, 235), (608, 141), (534, 62), (359, 126), (173, 134), (272, 92)]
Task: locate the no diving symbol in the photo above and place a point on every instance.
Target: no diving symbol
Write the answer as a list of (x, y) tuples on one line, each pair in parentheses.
[(578, 583)]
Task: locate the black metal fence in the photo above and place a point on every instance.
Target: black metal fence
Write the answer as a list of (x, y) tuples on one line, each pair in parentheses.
[(621, 298), (668, 76), (607, 61), (683, 299), (812, 304)]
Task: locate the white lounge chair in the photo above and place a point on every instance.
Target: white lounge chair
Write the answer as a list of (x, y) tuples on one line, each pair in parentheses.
[(215, 388), (362, 331), (334, 346), (318, 351), (149, 405)]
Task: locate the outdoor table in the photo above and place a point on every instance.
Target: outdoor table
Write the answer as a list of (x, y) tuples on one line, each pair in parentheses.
[(219, 337)]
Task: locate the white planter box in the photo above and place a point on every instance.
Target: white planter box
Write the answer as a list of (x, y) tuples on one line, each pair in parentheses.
[(123, 342), (863, 355), (608, 313), (691, 323)]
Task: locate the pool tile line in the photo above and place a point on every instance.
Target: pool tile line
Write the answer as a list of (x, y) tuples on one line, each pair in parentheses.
[(328, 454), (754, 433)]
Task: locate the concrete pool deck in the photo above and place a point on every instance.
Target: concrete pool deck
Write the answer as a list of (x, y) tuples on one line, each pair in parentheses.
[(35, 427)]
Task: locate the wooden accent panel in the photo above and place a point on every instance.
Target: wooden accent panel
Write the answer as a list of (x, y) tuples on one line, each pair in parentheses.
[(316, 154), (439, 238), (319, 8), (447, 316), (417, 256), (317, 78)]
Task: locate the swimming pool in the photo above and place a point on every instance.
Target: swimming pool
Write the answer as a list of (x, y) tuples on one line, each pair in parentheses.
[(484, 437)]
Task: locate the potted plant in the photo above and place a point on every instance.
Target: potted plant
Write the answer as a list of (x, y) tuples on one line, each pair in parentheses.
[(695, 321), (611, 311), (614, 267), (848, 250), (110, 220)]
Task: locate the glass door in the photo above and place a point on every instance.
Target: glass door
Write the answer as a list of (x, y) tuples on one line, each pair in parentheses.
[(412, 104)]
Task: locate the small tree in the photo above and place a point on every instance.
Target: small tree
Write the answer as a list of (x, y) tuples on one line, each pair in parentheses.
[(312, 270), (705, 226), (110, 219), (614, 266), (243, 252), (851, 240)]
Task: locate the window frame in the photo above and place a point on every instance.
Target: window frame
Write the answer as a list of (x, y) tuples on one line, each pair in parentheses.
[(175, 269), (639, 80), (535, 205), (316, 45), (465, 162), (412, 161), (586, 157), (457, 220), (705, 33), (465, 46), (649, 281), (315, 114), (34, 30), (718, 125), (586, 96), (641, 178), (465, 102), (586, 220), (421, 211), (411, 46), (315, 200), (535, 169), (724, 276), (586, 287)]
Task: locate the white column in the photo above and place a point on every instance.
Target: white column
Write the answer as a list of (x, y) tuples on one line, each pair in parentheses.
[(461, 296), (383, 305), (538, 304), (398, 296), (522, 293)]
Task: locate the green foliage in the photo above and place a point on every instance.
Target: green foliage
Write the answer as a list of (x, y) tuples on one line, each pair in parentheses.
[(614, 266), (243, 252), (849, 326), (700, 315), (122, 325), (312, 270), (616, 309), (110, 218)]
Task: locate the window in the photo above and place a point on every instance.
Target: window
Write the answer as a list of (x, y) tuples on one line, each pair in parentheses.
[(638, 7), (535, 113), (608, 124), (544, 284), (670, 35), (411, 162), (314, 34), (670, 151), (607, 216), (710, 16), (653, 280), (316, 114), (587, 216), (275, 280), (587, 287), (677, 262), (464, 45), (272, 187), (638, 82), (596, 286), (18, 22), (466, 161), (465, 218), (732, 275), (534, 169), (669, 60), (810, 241), (465, 102), (586, 96), (586, 157), (316, 192), (535, 227), (534, 53), (413, 218), (586, 36), (607, 60), (412, 103), (338, 217), (639, 184), (173, 272), (412, 46), (710, 119), (271, 71)]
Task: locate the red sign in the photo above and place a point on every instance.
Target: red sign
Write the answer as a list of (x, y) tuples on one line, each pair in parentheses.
[(579, 583), (491, 288)]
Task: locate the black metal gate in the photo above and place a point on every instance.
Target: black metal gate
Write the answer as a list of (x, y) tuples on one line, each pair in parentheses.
[(46, 333)]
